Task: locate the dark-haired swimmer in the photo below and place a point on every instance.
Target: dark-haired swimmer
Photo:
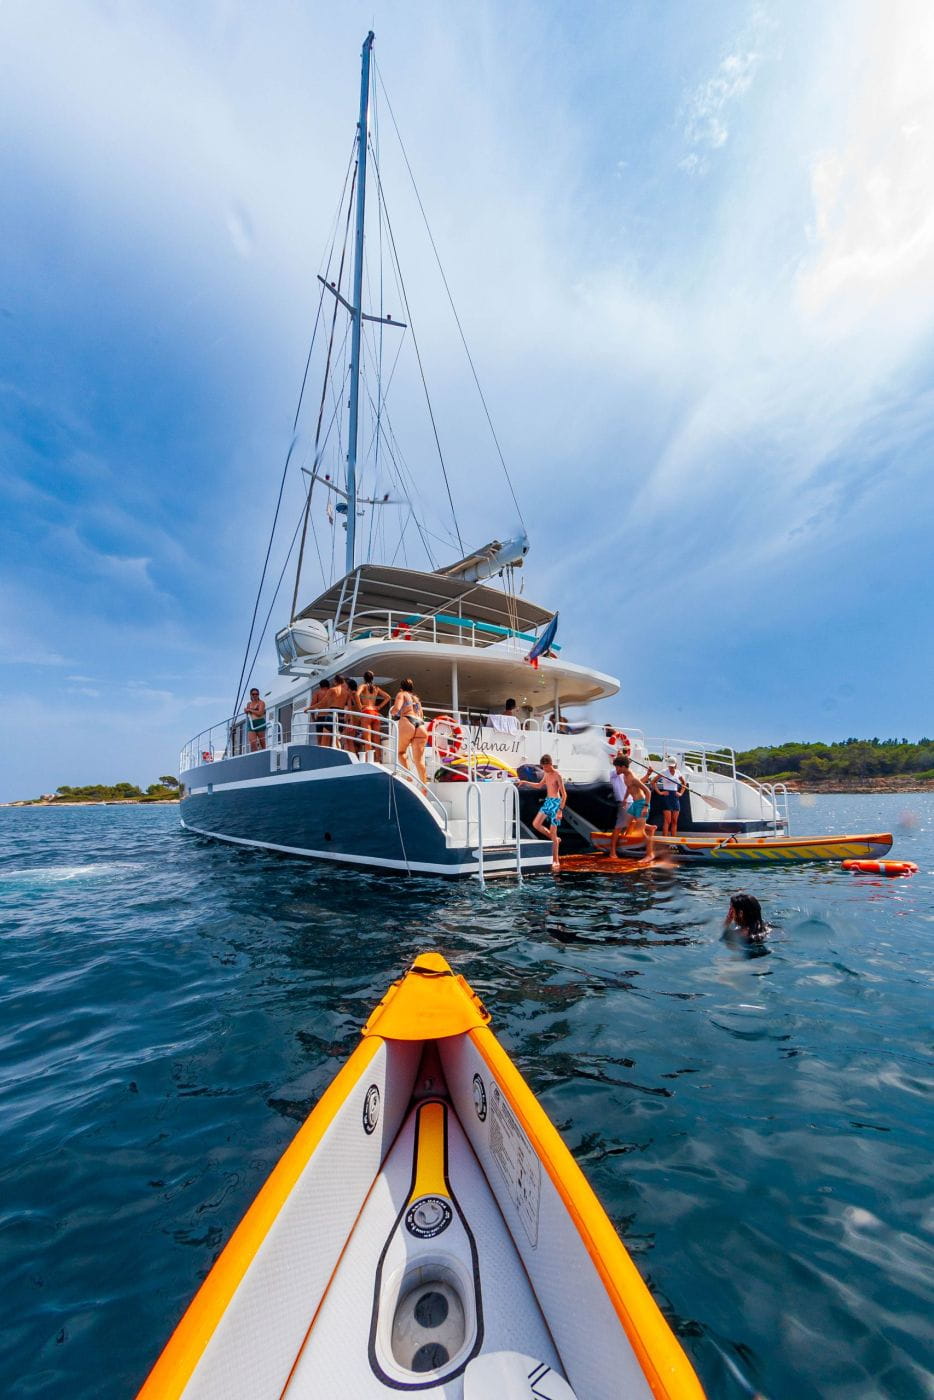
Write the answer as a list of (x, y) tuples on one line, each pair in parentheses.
[(744, 917)]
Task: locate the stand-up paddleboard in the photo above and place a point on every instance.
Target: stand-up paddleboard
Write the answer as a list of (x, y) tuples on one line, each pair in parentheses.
[(739, 848), (427, 1232)]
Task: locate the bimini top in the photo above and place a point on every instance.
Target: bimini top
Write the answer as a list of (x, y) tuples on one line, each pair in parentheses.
[(375, 589)]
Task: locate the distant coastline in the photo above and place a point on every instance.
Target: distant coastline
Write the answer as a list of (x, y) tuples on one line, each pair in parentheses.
[(906, 783), (167, 789), (96, 802)]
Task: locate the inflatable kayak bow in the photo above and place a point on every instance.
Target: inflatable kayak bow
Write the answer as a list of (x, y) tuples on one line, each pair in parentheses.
[(426, 1232)]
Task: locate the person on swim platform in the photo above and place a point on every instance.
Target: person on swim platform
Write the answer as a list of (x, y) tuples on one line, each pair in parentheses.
[(255, 711), (672, 786), (413, 735), (632, 808), (548, 818)]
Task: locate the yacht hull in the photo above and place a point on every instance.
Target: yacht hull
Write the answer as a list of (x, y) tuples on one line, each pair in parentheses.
[(323, 804)]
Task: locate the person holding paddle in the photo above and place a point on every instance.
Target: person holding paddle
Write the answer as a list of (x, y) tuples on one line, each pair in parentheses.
[(672, 786)]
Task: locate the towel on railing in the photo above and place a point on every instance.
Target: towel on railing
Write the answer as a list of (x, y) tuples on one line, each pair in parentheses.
[(505, 724)]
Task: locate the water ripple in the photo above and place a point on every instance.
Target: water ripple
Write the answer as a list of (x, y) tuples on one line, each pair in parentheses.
[(758, 1128)]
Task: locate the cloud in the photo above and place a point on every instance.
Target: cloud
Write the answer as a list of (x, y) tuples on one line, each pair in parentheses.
[(872, 231), (709, 107)]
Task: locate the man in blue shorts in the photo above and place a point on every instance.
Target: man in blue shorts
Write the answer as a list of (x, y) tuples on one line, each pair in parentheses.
[(548, 817), (631, 818)]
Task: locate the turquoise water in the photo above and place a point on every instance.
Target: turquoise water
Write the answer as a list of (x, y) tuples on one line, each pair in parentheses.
[(759, 1128)]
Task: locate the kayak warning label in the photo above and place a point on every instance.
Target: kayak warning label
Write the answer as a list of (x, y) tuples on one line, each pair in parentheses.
[(519, 1164)]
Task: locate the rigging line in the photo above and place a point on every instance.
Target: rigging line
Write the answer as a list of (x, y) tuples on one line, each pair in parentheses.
[(272, 604), (392, 457), (391, 442), (460, 328), (340, 202), (243, 668), (324, 388), (421, 369)]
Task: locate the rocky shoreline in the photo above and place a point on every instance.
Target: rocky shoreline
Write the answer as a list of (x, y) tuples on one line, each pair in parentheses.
[(854, 787), (115, 802)]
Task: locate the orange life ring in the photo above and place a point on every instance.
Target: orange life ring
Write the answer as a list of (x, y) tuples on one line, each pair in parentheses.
[(445, 736), (882, 867), (619, 740), (402, 633)]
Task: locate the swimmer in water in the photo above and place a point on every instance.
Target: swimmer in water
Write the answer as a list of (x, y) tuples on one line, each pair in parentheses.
[(744, 917)]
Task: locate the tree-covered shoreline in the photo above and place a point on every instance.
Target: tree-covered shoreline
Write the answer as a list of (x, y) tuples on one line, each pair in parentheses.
[(849, 760), (165, 790)]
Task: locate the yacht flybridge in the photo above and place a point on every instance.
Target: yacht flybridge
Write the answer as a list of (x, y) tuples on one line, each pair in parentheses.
[(321, 785)]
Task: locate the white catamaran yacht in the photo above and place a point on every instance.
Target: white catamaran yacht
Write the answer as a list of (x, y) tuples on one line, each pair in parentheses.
[(321, 786)]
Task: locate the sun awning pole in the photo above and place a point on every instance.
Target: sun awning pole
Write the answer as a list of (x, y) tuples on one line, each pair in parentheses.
[(455, 694), (557, 711)]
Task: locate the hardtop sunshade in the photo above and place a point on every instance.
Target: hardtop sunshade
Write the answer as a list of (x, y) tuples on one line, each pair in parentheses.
[(378, 588)]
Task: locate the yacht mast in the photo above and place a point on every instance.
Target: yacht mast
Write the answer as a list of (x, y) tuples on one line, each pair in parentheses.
[(357, 308)]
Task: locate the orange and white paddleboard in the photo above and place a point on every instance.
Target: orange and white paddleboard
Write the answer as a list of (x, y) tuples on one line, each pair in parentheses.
[(426, 1232)]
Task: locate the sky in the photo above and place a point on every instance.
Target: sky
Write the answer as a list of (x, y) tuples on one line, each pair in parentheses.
[(692, 251)]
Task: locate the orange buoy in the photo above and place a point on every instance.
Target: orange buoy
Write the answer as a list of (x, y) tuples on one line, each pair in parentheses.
[(882, 867)]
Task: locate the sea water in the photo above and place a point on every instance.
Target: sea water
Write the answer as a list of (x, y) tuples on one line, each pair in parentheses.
[(758, 1127)]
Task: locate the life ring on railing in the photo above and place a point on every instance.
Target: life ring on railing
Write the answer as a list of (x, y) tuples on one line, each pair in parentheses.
[(401, 633), (882, 867), (620, 741), (445, 736), (207, 756)]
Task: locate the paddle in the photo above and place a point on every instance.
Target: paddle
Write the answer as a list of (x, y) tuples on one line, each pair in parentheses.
[(716, 802)]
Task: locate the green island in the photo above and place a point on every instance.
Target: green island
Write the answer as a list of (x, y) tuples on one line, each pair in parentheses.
[(850, 765), (165, 790)]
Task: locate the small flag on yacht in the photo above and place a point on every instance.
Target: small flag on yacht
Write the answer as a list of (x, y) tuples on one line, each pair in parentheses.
[(544, 642)]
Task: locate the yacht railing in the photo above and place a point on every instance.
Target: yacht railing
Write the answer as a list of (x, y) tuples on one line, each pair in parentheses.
[(400, 625), (719, 761)]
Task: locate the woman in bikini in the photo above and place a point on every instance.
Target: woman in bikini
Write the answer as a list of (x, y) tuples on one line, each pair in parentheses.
[(413, 735), (373, 700), (352, 728)]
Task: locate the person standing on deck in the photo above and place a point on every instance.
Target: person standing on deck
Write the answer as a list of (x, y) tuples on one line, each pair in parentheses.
[(318, 702), (338, 699), (353, 732), (373, 700), (255, 711), (413, 736), (672, 787)]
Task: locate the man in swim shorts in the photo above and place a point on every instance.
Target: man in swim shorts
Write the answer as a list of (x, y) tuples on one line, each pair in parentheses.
[(631, 819), (255, 711), (548, 817)]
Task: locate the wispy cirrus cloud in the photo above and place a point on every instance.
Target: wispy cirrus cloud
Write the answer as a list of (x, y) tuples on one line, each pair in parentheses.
[(710, 107)]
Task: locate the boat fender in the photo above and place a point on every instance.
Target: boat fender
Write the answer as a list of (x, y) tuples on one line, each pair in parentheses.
[(882, 867), (445, 736)]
